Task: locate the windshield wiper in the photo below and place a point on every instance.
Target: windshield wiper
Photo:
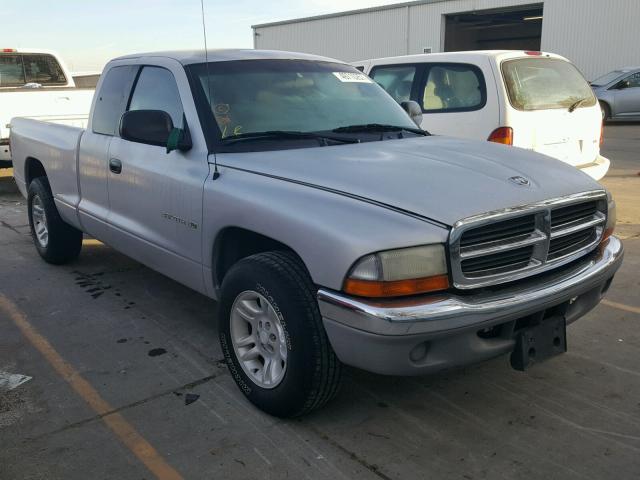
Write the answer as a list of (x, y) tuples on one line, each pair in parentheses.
[(577, 103), (378, 127), (285, 135)]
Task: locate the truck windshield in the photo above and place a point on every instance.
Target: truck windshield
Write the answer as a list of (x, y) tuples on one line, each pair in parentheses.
[(294, 96), (545, 83)]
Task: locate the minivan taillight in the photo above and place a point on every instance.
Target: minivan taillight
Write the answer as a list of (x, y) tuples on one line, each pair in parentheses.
[(602, 134), (502, 135)]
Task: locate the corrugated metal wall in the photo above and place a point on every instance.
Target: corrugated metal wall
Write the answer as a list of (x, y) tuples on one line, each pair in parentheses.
[(347, 37), (598, 35), (379, 33)]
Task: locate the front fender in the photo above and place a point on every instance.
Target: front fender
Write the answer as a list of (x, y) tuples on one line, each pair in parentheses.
[(327, 230)]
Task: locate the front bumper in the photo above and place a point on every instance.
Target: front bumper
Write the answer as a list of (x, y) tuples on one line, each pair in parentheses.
[(433, 332)]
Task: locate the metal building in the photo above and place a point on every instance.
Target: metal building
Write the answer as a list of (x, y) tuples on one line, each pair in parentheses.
[(597, 35)]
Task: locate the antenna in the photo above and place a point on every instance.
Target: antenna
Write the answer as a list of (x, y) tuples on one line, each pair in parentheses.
[(216, 174)]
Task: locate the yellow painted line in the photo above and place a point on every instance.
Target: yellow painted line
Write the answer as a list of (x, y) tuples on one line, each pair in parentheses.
[(92, 242), (622, 306), (128, 435)]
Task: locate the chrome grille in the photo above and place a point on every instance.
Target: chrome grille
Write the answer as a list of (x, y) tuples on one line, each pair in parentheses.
[(503, 246), (499, 231)]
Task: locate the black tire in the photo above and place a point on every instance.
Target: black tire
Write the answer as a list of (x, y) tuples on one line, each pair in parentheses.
[(313, 372), (606, 111), (64, 241)]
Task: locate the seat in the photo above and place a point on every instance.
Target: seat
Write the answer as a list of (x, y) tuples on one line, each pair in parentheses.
[(430, 100)]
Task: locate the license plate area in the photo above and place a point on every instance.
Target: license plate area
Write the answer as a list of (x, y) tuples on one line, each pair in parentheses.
[(539, 342)]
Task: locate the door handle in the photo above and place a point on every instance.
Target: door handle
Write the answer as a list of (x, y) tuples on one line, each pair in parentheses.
[(115, 166)]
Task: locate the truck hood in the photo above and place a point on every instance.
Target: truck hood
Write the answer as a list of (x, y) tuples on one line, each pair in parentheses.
[(440, 178)]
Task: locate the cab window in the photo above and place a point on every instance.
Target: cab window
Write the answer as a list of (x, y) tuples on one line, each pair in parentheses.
[(20, 69), (11, 71), (43, 69), (156, 89)]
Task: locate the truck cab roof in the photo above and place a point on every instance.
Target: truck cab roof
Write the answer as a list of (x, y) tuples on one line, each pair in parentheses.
[(187, 57)]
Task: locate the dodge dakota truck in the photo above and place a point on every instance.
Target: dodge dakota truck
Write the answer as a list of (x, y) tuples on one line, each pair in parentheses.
[(37, 84), (297, 193)]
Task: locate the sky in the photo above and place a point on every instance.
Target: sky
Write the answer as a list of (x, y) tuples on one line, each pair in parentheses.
[(88, 33)]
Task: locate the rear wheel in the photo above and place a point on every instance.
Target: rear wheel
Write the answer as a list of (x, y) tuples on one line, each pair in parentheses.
[(272, 336), (57, 242), (606, 111)]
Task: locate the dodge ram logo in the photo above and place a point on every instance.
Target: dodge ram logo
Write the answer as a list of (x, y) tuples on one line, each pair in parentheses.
[(523, 182)]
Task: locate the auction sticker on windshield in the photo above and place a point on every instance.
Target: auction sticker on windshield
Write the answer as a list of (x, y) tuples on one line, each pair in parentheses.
[(352, 77)]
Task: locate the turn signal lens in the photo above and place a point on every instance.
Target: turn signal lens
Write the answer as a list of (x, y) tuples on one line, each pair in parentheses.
[(502, 135), (602, 134), (399, 288), (394, 273)]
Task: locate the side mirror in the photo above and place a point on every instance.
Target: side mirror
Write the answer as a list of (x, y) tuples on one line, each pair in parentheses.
[(414, 111), (152, 127), (623, 84)]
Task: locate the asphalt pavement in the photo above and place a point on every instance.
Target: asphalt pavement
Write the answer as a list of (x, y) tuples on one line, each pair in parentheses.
[(123, 378)]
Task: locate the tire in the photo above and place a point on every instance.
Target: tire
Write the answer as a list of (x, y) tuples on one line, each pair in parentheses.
[(59, 242), (278, 287), (606, 111)]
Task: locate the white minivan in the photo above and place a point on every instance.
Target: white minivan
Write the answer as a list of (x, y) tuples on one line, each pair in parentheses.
[(533, 100)]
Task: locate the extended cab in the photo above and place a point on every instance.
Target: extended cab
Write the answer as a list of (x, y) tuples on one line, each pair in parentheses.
[(37, 84), (296, 192)]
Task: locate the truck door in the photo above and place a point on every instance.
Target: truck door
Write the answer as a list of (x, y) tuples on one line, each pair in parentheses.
[(109, 105), (155, 197)]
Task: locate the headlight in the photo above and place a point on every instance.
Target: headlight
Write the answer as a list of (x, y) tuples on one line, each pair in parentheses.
[(611, 217), (395, 273)]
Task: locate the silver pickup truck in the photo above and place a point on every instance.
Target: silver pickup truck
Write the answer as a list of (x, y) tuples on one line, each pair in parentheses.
[(332, 231)]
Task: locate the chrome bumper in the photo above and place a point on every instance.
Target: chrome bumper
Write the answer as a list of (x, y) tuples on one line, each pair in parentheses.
[(381, 335)]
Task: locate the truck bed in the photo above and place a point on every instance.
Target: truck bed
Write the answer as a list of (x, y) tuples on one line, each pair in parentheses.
[(56, 148)]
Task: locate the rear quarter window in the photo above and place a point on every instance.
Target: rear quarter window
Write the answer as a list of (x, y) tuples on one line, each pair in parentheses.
[(112, 99)]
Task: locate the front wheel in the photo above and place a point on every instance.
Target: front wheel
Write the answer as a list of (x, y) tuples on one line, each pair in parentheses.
[(57, 242), (272, 336)]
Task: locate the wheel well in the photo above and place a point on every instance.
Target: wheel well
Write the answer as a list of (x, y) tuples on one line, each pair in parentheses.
[(606, 104), (33, 169), (235, 243)]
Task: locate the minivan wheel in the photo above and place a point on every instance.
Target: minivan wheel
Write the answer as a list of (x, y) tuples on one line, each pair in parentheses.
[(272, 336), (606, 111), (57, 242)]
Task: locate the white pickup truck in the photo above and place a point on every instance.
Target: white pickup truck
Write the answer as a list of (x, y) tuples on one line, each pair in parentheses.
[(294, 190), (37, 84)]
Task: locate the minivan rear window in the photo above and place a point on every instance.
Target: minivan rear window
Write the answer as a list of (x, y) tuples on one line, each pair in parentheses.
[(545, 83)]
